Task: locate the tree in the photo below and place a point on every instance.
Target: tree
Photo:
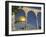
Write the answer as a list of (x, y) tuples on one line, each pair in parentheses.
[(15, 10)]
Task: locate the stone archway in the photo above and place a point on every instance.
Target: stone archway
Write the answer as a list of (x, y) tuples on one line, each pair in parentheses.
[(31, 20), (19, 25), (39, 20)]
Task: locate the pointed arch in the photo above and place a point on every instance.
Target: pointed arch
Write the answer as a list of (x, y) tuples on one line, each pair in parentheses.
[(19, 13), (39, 19), (31, 19), (19, 26)]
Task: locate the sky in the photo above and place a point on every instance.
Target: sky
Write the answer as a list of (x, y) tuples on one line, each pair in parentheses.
[(20, 13)]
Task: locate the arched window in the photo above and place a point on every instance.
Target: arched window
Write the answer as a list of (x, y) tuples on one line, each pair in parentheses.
[(19, 26), (31, 19), (19, 13), (39, 19)]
